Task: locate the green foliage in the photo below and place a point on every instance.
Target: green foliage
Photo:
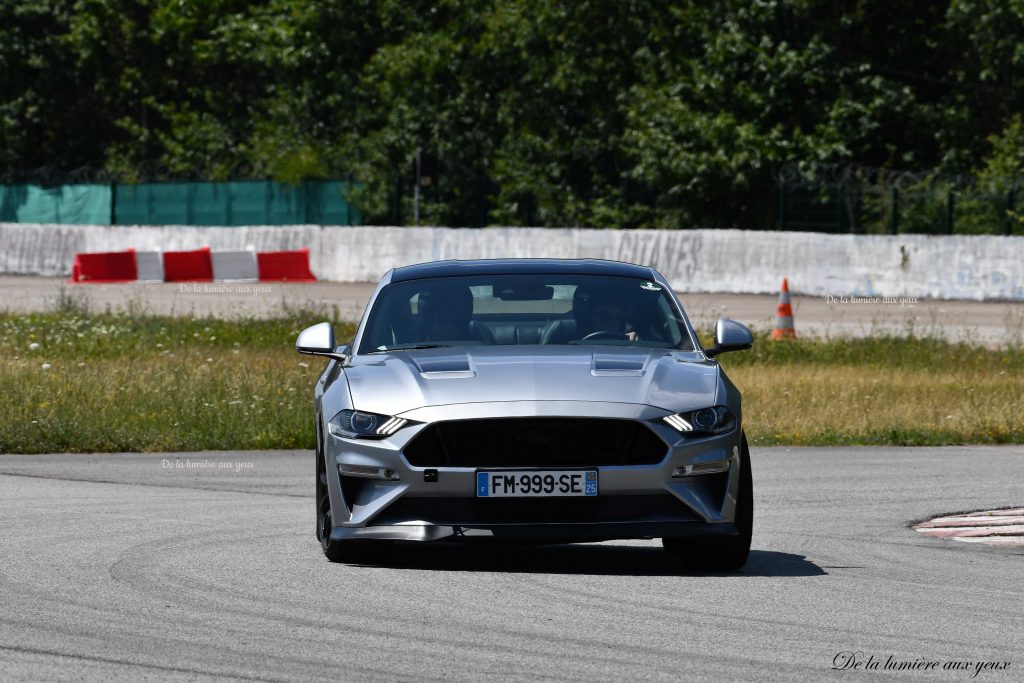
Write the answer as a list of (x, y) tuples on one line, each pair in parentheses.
[(609, 113), (1002, 177), (1006, 162)]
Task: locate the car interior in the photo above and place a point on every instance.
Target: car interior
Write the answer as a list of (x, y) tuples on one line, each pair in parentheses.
[(515, 313)]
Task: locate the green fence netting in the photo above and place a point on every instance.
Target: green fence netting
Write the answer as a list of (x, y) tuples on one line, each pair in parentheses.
[(926, 207), (74, 204), (234, 203), (230, 203)]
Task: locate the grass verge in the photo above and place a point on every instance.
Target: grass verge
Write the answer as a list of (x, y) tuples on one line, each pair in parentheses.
[(78, 381), (882, 390)]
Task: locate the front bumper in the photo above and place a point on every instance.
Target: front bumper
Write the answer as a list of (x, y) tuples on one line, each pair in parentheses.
[(634, 501)]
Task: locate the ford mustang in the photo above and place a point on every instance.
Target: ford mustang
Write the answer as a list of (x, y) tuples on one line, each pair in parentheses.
[(529, 400)]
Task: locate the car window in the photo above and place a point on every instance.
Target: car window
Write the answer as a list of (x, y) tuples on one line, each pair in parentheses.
[(524, 309)]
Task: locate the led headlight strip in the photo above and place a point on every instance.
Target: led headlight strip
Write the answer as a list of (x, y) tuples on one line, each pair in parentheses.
[(678, 423), (705, 421), (391, 426)]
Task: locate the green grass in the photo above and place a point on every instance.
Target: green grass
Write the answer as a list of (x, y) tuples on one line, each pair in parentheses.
[(135, 382), (120, 382), (882, 390)]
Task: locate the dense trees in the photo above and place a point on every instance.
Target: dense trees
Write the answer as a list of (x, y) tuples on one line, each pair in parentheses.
[(616, 113)]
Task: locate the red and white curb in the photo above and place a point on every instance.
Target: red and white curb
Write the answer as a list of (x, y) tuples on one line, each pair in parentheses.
[(196, 265), (993, 527)]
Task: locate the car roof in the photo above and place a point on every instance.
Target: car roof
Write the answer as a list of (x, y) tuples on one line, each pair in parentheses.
[(513, 266)]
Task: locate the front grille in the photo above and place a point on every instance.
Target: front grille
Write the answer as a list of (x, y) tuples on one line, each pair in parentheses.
[(596, 509), (536, 442)]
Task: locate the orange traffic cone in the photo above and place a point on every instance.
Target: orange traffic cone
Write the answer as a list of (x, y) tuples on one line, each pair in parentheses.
[(784, 315)]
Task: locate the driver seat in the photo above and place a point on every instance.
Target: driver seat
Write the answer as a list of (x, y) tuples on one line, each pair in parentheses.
[(559, 331)]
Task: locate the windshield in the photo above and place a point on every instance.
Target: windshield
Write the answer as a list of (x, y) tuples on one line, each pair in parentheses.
[(524, 309)]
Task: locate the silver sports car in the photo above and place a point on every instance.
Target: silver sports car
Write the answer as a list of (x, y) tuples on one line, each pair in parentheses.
[(529, 400)]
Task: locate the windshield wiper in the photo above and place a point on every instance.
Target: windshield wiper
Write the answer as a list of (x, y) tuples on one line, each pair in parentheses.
[(410, 347)]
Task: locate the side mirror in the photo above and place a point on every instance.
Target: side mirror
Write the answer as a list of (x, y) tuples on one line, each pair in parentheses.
[(730, 336), (318, 340)]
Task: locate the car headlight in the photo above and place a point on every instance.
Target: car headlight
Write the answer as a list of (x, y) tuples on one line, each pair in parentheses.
[(358, 424), (702, 422)]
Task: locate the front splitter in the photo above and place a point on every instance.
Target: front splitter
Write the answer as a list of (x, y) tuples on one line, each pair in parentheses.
[(539, 533)]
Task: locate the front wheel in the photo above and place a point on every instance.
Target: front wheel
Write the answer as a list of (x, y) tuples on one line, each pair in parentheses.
[(723, 553)]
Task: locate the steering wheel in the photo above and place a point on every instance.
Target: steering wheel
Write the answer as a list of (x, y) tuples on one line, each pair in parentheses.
[(603, 334)]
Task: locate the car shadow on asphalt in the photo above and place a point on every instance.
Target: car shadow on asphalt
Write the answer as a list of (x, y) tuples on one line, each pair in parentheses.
[(583, 559)]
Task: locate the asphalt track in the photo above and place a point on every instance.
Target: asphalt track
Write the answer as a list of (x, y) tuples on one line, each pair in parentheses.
[(133, 567), (991, 323)]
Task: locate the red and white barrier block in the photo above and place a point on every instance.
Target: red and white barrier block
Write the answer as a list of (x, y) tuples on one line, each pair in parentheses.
[(235, 265), (149, 266), (199, 265), (108, 266)]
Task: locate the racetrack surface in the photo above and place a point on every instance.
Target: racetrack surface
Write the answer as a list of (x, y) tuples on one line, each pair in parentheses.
[(134, 567), (989, 323)]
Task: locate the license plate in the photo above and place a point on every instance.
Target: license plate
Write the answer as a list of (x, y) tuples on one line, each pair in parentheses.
[(535, 483)]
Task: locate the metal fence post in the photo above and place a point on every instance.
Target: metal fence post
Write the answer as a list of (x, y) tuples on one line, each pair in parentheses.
[(782, 205), (1009, 211), (894, 214), (229, 213), (839, 207), (852, 204), (416, 192), (190, 209), (398, 200), (306, 201), (268, 198), (949, 211), (348, 203)]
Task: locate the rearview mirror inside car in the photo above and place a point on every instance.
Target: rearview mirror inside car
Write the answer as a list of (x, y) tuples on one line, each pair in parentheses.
[(519, 292)]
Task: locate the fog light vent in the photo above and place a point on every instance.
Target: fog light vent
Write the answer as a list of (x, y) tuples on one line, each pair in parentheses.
[(368, 472), (701, 468)]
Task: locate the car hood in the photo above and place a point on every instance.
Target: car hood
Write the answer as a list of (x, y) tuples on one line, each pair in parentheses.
[(393, 383)]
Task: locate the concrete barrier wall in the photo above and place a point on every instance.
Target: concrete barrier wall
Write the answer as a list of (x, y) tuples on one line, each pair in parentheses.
[(740, 261)]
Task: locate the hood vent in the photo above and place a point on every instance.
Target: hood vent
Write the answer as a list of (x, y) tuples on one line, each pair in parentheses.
[(617, 365), (448, 366)]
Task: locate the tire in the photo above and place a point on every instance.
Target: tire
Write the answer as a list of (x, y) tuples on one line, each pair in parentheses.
[(723, 553), (353, 552)]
